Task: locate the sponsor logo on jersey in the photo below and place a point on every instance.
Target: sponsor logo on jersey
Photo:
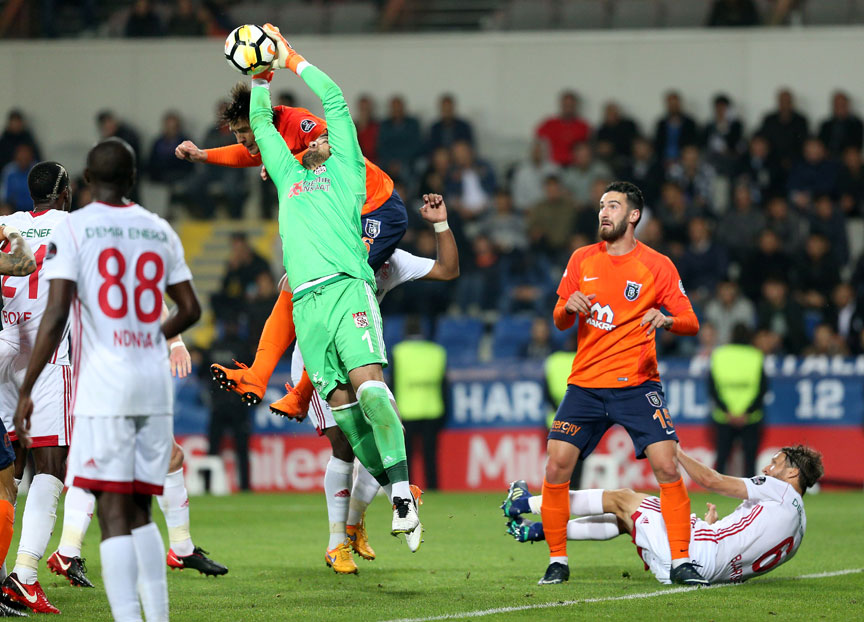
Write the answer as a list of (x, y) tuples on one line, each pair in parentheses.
[(601, 317), (631, 292), (360, 319), (758, 480), (307, 125), (654, 399), (372, 227), (565, 427), (309, 185), (320, 170), (52, 251), (317, 380)]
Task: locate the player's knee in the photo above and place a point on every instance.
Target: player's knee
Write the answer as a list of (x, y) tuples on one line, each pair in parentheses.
[(177, 457), (666, 471)]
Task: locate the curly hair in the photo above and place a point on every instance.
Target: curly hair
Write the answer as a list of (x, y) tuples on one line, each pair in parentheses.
[(808, 462), (237, 109)]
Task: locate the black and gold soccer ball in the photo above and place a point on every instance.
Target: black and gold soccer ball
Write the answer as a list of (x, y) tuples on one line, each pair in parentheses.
[(249, 50)]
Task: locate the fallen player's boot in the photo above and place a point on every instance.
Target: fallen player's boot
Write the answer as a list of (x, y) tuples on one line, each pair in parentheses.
[(241, 381), (198, 560), (31, 596), (686, 574), (516, 501), (524, 530), (555, 573), (359, 540), (341, 560), (72, 568)]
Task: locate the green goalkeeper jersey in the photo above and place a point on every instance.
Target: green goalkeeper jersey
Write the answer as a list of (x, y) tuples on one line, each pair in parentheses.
[(319, 210)]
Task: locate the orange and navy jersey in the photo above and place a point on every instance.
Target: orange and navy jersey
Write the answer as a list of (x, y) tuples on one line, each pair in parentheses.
[(614, 349), (299, 127)]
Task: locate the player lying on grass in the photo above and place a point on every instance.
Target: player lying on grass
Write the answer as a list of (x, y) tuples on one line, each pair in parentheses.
[(762, 533), (336, 315)]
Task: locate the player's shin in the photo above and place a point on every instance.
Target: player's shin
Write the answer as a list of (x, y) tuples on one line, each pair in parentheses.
[(555, 511), (7, 522), (375, 402), (120, 576), (675, 507), (174, 503), (602, 527), (362, 494), (276, 336), (353, 424), (337, 489), (152, 582), (37, 524), (77, 514)]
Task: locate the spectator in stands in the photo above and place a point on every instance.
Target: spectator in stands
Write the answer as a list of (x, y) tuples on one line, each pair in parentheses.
[(828, 220), (13, 179), (240, 281), (843, 128), (449, 129), (399, 141), (695, 177), (651, 234), (722, 136), (813, 175), (786, 130), (470, 183), (51, 10), (780, 314), (552, 220), (479, 288), (704, 262), (740, 226), (186, 21), (565, 130), (845, 314), (674, 131), (530, 175), (110, 126), (260, 302), (504, 226), (761, 170), (615, 135), (768, 341), (583, 171), (15, 133), (767, 261), (786, 223), (826, 342), (727, 309), (434, 180), (287, 98), (817, 272), (527, 283), (367, 126), (858, 277), (540, 346), (143, 21), (734, 14), (164, 167), (850, 183), (674, 214), (645, 170)]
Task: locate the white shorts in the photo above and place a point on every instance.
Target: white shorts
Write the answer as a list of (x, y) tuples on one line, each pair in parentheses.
[(126, 454), (51, 423), (319, 414), (652, 542)]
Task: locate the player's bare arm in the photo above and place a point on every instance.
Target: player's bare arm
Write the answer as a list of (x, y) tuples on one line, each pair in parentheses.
[(60, 295), (178, 354), (710, 479), (187, 150), (446, 266), (187, 311), (19, 261)]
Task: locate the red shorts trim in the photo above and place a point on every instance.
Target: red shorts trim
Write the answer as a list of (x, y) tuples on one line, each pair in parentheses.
[(40, 441), (124, 488), (143, 488)]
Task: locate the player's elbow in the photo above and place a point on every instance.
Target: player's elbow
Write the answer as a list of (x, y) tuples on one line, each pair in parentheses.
[(449, 273)]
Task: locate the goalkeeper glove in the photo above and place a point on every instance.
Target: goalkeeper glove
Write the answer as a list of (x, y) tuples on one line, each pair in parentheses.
[(286, 57)]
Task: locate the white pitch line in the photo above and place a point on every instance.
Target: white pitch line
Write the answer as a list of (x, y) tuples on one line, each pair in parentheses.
[(603, 599)]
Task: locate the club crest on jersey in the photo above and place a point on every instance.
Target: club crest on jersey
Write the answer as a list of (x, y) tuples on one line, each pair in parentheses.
[(758, 480), (372, 228), (631, 292), (360, 319), (320, 170), (654, 399), (52, 251), (307, 124)]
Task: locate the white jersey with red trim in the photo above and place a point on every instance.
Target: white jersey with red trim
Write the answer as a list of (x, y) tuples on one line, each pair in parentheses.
[(25, 297), (400, 268), (762, 533), (121, 259)]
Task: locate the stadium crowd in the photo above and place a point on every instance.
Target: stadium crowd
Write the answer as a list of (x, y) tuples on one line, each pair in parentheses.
[(756, 219)]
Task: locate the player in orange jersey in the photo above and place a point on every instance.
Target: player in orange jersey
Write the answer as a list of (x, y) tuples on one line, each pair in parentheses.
[(615, 290)]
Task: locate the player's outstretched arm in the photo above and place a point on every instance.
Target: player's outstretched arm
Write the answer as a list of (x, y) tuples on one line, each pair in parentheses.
[(235, 156), (19, 261), (60, 295), (187, 311), (710, 479), (446, 266), (275, 155)]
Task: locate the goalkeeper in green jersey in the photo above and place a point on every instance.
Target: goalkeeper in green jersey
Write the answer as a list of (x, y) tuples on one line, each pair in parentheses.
[(336, 315)]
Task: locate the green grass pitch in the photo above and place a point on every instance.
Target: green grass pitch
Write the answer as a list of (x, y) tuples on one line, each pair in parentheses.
[(274, 548)]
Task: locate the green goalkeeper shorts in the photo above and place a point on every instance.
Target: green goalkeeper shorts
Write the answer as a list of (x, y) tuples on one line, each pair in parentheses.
[(338, 329)]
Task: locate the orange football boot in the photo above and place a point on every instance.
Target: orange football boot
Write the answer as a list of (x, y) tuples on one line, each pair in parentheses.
[(242, 381)]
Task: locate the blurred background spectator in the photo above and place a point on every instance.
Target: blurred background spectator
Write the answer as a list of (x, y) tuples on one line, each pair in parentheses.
[(563, 131)]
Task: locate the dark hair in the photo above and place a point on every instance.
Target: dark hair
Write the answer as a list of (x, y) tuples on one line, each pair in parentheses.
[(238, 108), (722, 98), (111, 163), (635, 200), (47, 181), (741, 334), (808, 462)]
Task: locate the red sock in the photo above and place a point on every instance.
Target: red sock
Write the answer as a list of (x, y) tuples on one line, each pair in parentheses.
[(277, 335), (7, 521), (555, 512), (675, 507)]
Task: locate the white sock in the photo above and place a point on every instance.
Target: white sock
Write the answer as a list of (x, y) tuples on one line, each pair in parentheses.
[(388, 490), (364, 491), (120, 576), (558, 560), (152, 582), (174, 503), (603, 527), (586, 502), (679, 561), (402, 489), (337, 489), (77, 514), (534, 503), (37, 525)]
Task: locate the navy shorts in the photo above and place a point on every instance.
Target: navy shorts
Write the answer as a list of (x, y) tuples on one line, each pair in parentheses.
[(585, 414), (383, 229), (7, 454)]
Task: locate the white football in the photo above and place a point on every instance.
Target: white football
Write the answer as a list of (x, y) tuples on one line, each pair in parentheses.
[(249, 50)]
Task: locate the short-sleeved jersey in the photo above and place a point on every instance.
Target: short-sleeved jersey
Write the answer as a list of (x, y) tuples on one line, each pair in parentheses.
[(763, 532), (401, 267), (121, 259), (614, 350), (25, 297)]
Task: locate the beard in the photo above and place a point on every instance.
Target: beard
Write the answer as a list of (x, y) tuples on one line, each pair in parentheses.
[(615, 233), (313, 159)]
